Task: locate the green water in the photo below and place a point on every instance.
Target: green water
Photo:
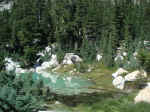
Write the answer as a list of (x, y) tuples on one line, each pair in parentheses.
[(65, 85)]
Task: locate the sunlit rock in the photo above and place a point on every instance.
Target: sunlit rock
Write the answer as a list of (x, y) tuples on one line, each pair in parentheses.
[(10, 64), (119, 82), (71, 58), (45, 65), (57, 102), (135, 75), (120, 71), (46, 51), (135, 54), (49, 64), (21, 70), (5, 5), (124, 53), (98, 57), (31, 70), (119, 57), (143, 95)]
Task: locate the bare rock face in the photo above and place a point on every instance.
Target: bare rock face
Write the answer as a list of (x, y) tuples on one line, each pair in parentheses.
[(120, 71), (143, 95), (119, 82), (135, 75)]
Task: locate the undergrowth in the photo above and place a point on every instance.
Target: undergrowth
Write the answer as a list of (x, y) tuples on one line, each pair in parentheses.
[(122, 104)]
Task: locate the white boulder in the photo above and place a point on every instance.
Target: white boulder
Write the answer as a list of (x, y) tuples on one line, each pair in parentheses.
[(135, 54), (53, 62), (31, 70), (10, 64), (120, 71), (45, 65), (124, 53), (47, 50), (143, 95), (119, 57), (57, 102), (98, 57), (21, 70), (70, 58), (135, 75), (39, 69), (119, 82), (49, 64)]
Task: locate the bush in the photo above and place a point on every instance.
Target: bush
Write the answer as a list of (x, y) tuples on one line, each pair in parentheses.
[(60, 55), (144, 59), (3, 54), (16, 93), (88, 51), (81, 67), (132, 64)]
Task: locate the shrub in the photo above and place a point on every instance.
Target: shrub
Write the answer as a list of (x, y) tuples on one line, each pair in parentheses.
[(88, 51), (60, 55), (81, 67), (3, 54), (131, 64), (144, 59), (16, 93)]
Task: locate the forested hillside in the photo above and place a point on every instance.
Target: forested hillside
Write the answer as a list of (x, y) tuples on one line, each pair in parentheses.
[(85, 27)]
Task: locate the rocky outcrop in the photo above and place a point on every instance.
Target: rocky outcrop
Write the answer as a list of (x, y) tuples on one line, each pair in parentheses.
[(119, 79)]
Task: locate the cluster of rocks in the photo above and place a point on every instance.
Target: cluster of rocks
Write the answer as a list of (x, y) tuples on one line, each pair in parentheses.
[(69, 58), (119, 82), (121, 76), (47, 64), (11, 65)]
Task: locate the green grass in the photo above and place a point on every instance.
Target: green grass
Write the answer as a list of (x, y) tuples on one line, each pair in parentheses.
[(65, 69), (120, 104), (101, 75)]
